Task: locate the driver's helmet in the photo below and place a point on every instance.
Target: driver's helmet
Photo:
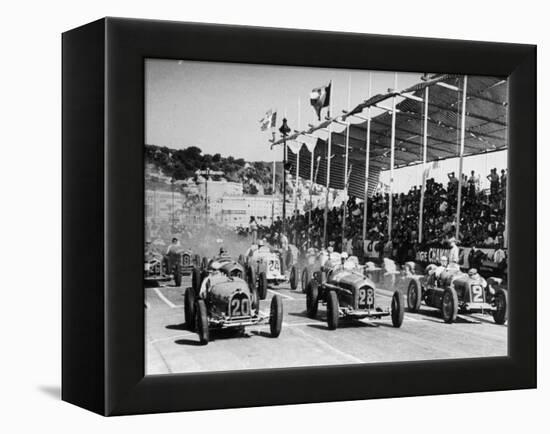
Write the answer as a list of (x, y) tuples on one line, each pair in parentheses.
[(444, 261), (223, 251), (344, 257)]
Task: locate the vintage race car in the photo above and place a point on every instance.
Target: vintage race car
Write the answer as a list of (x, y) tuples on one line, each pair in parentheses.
[(155, 271), (266, 266), (347, 293), (453, 292), (318, 264), (224, 301), (181, 264), (221, 264)]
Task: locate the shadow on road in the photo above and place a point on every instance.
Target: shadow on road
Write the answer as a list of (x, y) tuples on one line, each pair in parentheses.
[(182, 326), (51, 391), (192, 342), (343, 324), (217, 335)]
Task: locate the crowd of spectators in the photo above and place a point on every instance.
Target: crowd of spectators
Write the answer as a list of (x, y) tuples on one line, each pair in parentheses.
[(482, 219)]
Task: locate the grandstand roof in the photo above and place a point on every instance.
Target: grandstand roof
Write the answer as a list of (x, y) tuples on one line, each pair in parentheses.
[(485, 130), (486, 122)]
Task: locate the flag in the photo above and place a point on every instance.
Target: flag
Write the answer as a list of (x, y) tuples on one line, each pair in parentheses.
[(269, 120), (319, 98)]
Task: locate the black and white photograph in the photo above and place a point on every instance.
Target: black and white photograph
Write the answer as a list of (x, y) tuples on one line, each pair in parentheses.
[(299, 216)]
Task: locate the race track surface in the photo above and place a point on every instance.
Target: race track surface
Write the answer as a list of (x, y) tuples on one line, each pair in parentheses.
[(171, 348)]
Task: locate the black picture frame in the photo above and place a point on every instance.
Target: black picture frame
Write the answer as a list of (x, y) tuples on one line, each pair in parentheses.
[(103, 214)]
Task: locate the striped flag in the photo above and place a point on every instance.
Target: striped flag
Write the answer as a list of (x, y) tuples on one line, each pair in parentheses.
[(269, 120)]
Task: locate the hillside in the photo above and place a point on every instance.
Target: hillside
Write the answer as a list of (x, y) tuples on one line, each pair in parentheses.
[(182, 164)]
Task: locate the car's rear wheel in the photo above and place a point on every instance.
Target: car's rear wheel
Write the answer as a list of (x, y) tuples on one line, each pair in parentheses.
[(197, 260), (333, 310), (262, 285), (177, 275), (189, 309), (276, 316), (202, 322), (251, 277), (312, 298), (500, 315), (449, 306), (414, 295), (255, 299), (305, 279), (397, 309), (196, 280), (293, 277)]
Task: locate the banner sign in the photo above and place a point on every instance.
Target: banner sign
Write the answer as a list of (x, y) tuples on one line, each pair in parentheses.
[(433, 254)]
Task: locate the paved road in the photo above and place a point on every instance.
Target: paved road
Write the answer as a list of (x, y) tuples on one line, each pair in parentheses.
[(305, 342)]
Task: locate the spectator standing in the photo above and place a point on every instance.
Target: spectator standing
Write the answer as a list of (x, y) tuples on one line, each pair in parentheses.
[(494, 180), (253, 228)]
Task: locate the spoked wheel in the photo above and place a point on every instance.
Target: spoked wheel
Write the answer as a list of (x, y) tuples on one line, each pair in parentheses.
[(293, 277), (333, 310), (500, 315), (189, 309), (312, 298), (262, 285), (276, 316), (449, 307), (414, 295), (305, 279), (397, 309), (202, 322)]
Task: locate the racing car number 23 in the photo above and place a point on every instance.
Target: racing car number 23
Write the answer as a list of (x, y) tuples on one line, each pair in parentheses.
[(239, 306), (366, 297)]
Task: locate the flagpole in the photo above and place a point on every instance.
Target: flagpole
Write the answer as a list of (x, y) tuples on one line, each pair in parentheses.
[(367, 163), (346, 169), (297, 175), (273, 196), (462, 136), (424, 158), (392, 158), (329, 152)]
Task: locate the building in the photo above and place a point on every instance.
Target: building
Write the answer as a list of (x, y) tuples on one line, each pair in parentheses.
[(235, 211)]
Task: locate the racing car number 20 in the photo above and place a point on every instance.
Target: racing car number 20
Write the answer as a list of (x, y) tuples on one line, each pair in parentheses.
[(239, 306)]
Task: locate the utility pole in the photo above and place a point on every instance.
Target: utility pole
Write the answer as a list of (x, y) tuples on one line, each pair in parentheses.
[(284, 130)]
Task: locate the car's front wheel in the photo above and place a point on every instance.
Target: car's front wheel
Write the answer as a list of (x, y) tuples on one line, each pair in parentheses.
[(305, 279), (449, 306), (312, 298), (397, 309), (189, 309), (500, 315), (262, 285), (414, 295), (333, 310), (202, 322), (293, 277), (276, 316)]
